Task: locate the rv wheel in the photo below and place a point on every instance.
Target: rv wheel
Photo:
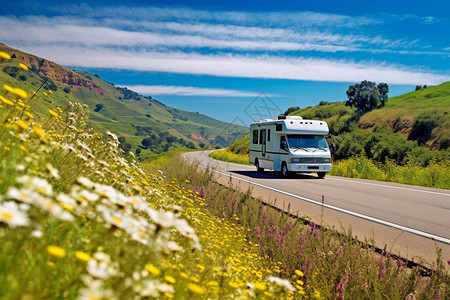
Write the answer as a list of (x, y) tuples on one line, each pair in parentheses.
[(321, 174), (258, 168), (284, 170)]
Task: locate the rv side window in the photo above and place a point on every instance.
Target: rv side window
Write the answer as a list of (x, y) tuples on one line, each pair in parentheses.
[(261, 136), (279, 127), (255, 136), (268, 135)]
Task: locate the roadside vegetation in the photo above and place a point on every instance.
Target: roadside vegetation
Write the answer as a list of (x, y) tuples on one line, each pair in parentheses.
[(80, 221), (332, 262)]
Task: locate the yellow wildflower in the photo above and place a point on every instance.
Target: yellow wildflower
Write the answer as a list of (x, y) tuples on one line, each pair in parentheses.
[(56, 251), (260, 286), (53, 113), (154, 271), (168, 295), (23, 67), (195, 289), (169, 279), (20, 93), (4, 56), (39, 132), (233, 284), (6, 101), (29, 115), (299, 273), (82, 256), (22, 124), (50, 91)]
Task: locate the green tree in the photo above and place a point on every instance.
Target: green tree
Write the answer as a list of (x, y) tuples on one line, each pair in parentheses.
[(366, 96), (291, 109)]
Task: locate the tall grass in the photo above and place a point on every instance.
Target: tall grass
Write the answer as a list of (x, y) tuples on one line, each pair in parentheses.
[(436, 174), (227, 155), (331, 262)]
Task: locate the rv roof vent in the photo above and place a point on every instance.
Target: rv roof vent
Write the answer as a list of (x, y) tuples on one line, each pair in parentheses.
[(280, 117), (294, 117)]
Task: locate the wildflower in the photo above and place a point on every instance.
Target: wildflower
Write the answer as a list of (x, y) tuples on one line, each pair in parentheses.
[(39, 132), (281, 282), (53, 171), (11, 214), (195, 289), (80, 255), (22, 124), (101, 266), (299, 273), (340, 287), (169, 279), (53, 113), (6, 101), (56, 251), (23, 67), (29, 115), (95, 290), (23, 195), (233, 284), (260, 286), (4, 56), (154, 271), (20, 94), (37, 233)]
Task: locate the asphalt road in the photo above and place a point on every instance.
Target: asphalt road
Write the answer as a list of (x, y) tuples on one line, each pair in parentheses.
[(409, 221)]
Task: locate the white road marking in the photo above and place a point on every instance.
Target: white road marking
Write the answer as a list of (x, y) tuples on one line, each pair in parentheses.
[(349, 212), (389, 186)]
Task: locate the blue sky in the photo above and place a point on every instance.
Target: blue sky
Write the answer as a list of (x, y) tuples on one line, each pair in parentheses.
[(216, 57)]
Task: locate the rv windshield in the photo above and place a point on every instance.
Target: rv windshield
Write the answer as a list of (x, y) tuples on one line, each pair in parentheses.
[(307, 141)]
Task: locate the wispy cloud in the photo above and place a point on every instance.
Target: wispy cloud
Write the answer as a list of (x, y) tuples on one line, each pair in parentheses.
[(282, 45), (233, 65), (187, 91)]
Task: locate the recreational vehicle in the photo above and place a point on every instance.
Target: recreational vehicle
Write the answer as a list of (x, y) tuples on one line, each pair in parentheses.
[(290, 144)]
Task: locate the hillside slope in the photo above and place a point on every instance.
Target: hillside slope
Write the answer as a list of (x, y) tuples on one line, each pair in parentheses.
[(421, 116), (120, 110)]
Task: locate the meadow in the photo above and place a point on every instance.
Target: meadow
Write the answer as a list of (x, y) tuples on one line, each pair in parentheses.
[(80, 220)]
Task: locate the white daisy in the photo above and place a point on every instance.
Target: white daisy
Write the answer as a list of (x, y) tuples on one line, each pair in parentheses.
[(12, 215)]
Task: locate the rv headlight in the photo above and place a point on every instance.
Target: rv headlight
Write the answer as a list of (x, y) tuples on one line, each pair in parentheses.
[(328, 160), (295, 160)]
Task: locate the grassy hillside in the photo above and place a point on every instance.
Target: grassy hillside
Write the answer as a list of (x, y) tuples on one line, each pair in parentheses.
[(120, 110), (421, 116)]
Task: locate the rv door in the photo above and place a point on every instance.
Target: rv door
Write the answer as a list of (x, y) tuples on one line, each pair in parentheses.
[(263, 141)]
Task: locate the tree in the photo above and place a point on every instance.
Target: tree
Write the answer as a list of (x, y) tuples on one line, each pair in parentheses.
[(147, 142), (98, 107), (366, 96), (291, 109)]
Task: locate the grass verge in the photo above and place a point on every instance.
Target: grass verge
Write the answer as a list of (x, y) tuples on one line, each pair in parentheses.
[(228, 156)]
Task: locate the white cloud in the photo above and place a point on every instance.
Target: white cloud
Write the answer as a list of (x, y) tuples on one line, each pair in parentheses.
[(232, 65), (217, 43), (187, 91), (37, 30)]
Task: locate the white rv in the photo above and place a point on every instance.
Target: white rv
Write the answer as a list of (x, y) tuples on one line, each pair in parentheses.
[(290, 144)]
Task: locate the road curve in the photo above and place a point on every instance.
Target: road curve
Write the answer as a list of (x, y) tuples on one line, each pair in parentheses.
[(409, 221)]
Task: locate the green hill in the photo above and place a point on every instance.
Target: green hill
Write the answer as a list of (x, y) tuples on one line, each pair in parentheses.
[(414, 126), (120, 110), (420, 116)]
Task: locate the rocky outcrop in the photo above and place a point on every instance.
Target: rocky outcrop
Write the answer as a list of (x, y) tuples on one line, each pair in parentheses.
[(58, 73)]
